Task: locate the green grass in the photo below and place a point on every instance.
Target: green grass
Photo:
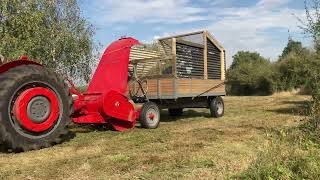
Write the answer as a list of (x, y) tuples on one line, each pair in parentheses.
[(293, 154), (193, 146)]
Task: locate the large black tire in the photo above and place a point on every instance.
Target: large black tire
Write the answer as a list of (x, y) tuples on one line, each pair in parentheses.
[(217, 107), (21, 78), (145, 120), (175, 112)]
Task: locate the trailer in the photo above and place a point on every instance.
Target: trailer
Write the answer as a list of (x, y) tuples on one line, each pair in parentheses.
[(177, 72), (37, 104)]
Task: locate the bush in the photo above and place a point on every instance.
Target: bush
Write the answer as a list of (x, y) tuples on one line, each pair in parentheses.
[(250, 74), (291, 67), (293, 154)]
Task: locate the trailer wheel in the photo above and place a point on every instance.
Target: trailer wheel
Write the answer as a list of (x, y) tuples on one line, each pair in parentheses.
[(35, 108), (176, 112), (150, 115), (217, 107)]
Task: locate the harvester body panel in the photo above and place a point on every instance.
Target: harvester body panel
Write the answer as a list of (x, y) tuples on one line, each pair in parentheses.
[(105, 101), (112, 71)]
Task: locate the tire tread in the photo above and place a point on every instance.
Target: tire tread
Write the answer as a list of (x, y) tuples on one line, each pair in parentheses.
[(7, 81)]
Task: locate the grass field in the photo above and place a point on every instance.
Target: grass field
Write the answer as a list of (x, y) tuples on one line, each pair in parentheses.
[(191, 146)]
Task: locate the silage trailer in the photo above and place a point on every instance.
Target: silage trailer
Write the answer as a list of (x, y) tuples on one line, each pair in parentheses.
[(184, 71)]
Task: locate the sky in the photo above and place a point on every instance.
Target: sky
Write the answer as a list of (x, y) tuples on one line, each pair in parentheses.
[(251, 25)]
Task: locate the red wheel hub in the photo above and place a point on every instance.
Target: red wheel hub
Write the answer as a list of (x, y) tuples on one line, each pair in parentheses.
[(37, 109), (151, 116)]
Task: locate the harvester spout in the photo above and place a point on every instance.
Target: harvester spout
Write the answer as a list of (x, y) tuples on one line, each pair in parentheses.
[(112, 71)]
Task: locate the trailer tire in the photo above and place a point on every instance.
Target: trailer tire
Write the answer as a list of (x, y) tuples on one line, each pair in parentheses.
[(150, 115), (15, 82), (217, 107), (175, 112)]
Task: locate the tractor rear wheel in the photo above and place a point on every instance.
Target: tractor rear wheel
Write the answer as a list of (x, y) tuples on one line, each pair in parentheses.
[(150, 115), (35, 108)]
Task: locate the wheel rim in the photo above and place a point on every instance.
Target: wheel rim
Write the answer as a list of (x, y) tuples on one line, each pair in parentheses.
[(35, 109), (220, 107), (152, 116)]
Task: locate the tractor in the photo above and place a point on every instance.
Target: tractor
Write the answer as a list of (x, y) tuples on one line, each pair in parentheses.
[(37, 104)]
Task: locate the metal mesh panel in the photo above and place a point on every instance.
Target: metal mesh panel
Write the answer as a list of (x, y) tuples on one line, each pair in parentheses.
[(189, 61), (214, 61), (194, 38)]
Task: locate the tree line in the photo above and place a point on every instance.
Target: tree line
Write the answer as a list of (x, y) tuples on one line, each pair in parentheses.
[(297, 67), (52, 31), (252, 74)]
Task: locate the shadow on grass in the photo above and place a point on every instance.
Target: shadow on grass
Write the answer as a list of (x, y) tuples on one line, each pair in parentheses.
[(295, 107), (65, 138), (302, 102), (88, 128), (256, 127), (165, 116)]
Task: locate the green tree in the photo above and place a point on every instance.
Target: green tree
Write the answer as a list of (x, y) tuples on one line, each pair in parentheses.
[(311, 26), (51, 31), (250, 74), (291, 66), (293, 47)]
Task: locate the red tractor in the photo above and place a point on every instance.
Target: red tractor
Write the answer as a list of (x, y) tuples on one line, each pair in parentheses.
[(36, 104)]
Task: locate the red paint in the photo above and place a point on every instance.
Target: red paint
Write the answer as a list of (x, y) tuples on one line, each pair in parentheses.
[(13, 64), (24, 57), (87, 109), (112, 71), (105, 100), (121, 125), (94, 118), (20, 109), (117, 106), (151, 116)]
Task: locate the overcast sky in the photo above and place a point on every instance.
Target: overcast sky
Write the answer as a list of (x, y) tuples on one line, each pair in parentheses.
[(254, 25)]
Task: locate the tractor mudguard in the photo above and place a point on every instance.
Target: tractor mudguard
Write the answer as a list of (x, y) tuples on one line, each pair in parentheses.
[(5, 67)]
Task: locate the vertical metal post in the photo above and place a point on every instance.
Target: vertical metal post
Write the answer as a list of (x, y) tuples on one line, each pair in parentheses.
[(222, 57), (158, 89), (205, 55), (135, 75), (174, 57), (175, 88)]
